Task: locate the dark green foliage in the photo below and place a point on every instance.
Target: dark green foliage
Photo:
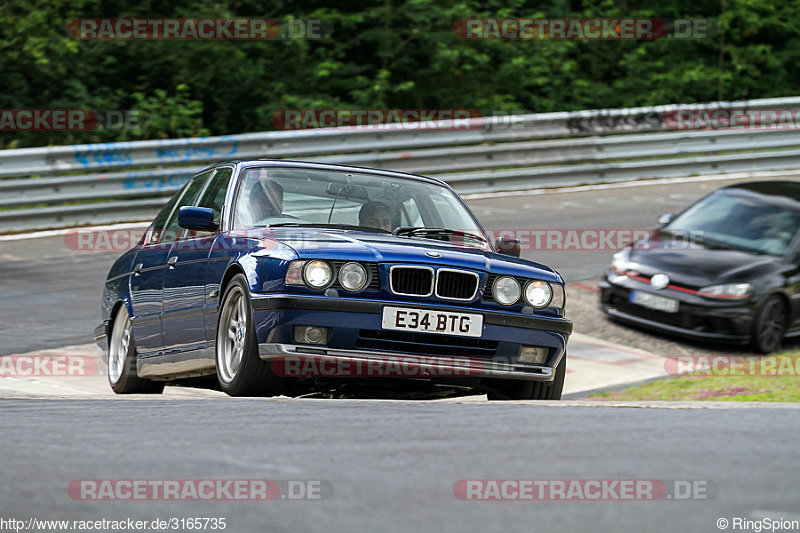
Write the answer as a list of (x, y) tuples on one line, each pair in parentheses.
[(392, 53)]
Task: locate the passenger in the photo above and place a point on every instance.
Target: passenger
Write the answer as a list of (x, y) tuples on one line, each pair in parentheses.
[(266, 200)]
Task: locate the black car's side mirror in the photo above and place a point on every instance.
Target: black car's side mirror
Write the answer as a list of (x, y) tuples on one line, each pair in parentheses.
[(508, 246), (196, 218), (665, 219)]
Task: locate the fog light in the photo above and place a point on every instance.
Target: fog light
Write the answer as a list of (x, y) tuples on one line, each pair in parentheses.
[(310, 335), (533, 354)]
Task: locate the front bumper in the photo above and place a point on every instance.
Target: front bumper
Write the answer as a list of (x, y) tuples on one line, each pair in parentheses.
[(697, 318), (357, 337), (100, 335), (293, 361)]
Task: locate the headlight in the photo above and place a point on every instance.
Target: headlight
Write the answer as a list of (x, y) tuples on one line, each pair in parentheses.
[(734, 291), (506, 291), (619, 264), (317, 274), (559, 298), (538, 294), (294, 274), (353, 276)]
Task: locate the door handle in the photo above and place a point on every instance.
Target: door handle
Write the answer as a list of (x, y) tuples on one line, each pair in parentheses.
[(137, 269), (172, 260)]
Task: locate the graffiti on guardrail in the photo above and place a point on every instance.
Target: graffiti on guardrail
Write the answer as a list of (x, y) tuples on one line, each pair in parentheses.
[(616, 122), (122, 154), (520, 162), (197, 150), (168, 183)]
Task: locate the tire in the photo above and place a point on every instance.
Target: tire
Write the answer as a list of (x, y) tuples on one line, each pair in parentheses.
[(513, 389), (122, 360), (769, 326), (240, 371)]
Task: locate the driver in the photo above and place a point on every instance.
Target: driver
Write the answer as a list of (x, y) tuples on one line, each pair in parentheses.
[(375, 215), (266, 200)]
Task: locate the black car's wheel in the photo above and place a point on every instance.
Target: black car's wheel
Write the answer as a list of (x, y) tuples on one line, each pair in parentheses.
[(240, 371), (769, 326), (122, 360), (532, 390)]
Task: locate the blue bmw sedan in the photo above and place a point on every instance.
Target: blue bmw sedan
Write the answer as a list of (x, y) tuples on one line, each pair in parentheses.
[(275, 274)]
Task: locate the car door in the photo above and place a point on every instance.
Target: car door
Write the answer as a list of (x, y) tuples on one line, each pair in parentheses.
[(184, 278), (147, 283), (791, 275)]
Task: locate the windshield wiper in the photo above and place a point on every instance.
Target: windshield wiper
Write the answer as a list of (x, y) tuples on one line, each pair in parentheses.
[(322, 225), (704, 240), (421, 230)]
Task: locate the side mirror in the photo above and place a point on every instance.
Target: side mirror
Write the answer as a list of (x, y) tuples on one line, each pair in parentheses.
[(665, 219), (196, 218), (508, 246)]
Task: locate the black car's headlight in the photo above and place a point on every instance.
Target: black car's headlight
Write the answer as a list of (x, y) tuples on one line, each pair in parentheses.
[(538, 294), (731, 291), (353, 277), (619, 263), (506, 290)]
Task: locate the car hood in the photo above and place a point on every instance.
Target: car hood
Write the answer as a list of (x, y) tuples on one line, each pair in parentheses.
[(697, 265), (335, 244)]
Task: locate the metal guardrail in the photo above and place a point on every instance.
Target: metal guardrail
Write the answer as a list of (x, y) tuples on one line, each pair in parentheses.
[(117, 182)]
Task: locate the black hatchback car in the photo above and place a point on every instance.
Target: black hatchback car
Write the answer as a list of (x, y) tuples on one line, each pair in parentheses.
[(725, 269)]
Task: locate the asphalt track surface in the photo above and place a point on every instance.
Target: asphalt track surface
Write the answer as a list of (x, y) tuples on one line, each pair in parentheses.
[(392, 466), (50, 294)]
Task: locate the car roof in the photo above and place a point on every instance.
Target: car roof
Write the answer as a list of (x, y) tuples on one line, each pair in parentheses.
[(329, 166), (786, 189)]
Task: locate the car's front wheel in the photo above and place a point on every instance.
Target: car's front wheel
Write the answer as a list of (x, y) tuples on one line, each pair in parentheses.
[(532, 390), (769, 326), (122, 360), (240, 371)]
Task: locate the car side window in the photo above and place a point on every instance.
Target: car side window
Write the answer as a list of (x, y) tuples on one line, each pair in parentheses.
[(172, 231), (157, 227), (214, 196)]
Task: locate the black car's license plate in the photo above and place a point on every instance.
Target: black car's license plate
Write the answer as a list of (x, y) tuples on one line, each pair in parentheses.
[(651, 301)]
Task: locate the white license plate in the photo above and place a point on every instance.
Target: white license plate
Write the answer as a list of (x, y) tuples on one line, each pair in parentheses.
[(404, 319), (651, 301)]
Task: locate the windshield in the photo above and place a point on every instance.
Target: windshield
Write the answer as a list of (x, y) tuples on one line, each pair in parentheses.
[(746, 221), (271, 196)]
